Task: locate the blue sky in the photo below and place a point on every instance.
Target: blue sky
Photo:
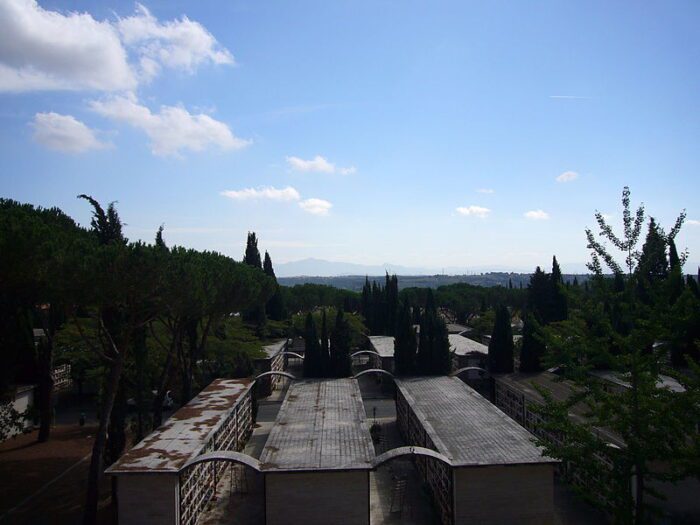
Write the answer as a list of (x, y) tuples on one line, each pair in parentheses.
[(362, 131)]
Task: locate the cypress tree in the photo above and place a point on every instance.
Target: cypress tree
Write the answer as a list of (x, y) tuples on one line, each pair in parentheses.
[(275, 305), (391, 292), (325, 350), (405, 343), (675, 276), (533, 348), (252, 255), (538, 296), (312, 352), (501, 345), (340, 347), (267, 265), (559, 308), (433, 357)]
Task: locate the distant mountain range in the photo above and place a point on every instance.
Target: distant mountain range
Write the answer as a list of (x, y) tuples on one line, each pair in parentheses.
[(321, 268)]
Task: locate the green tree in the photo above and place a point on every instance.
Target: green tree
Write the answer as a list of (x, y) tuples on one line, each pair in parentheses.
[(405, 342), (325, 348), (533, 348), (433, 356), (252, 254), (340, 365), (501, 345), (312, 351)]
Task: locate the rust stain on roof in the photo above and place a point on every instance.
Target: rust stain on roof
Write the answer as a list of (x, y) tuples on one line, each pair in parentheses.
[(186, 432)]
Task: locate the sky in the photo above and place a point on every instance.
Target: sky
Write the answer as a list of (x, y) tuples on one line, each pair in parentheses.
[(440, 134)]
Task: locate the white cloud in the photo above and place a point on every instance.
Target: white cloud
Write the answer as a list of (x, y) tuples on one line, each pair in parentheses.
[(268, 192), (316, 206), (41, 49), (693, 222), (172, 129), (64, 133), (485, 190), (178, 44), (476, 211), (318, 164), (536, 215), (567, 176)]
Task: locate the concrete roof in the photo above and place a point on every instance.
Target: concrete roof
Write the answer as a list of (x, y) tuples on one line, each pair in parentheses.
[(466, 427), (186, 432), (382, 344), (560, 391), (321, 425), (666, 382), (273, 349), (455, 328), (461, 345)]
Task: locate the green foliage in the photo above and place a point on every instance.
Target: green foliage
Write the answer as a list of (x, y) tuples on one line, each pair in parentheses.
[(501, 345), (252, 254), (312, 351), (405, 343), (379, 305), (533, 349), (339, 363), (433, 356), (355, 322)]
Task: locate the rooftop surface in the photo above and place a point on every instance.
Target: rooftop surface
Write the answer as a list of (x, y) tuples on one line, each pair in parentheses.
[(321, 425), (466, 427), (273, 349), (383, 345), (186, 432), (559, 389), (461, 345)]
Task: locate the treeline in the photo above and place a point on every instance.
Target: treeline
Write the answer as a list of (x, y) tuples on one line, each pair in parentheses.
[(142, 314)]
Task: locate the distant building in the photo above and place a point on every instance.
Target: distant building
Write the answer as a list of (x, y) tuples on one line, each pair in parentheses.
[(468, 353), (275, 360), (384, 346)]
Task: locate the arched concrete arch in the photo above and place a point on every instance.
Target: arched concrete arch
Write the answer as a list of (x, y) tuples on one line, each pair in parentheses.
[(275, 373), (293, 354), (229, 456), (373, 371), (408, 451), (467, 369), (360, 352)]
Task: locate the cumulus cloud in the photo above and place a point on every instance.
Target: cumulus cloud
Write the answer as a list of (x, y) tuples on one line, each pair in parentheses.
[(313, 206), (318, 164), (42, 49), (536, 215), (172, 129), (64, 133), (567, 176), (316, 206), (267, 192), (179, 44), (475, 211), (485, 190)]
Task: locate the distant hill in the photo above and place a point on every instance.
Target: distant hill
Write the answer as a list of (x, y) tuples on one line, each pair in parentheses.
[(355, 282), (321, 268)]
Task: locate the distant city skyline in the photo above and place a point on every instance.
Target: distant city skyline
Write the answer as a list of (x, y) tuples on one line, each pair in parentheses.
[(432, 135)]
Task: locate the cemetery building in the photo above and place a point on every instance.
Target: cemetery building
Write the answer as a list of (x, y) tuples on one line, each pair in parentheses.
[(467, 352), (493, 473), (152, 486), (318, 456), (384, 346), (275, 360)]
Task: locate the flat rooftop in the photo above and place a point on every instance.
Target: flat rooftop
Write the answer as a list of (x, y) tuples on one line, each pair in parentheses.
[(560, 390), (466, 427), (321, 425), (186, 432), (273, 349), (461, 345), (382, 344)]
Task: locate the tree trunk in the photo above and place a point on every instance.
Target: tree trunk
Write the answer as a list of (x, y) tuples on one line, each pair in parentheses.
[(45, 389), (93, 492), (162, 389)]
